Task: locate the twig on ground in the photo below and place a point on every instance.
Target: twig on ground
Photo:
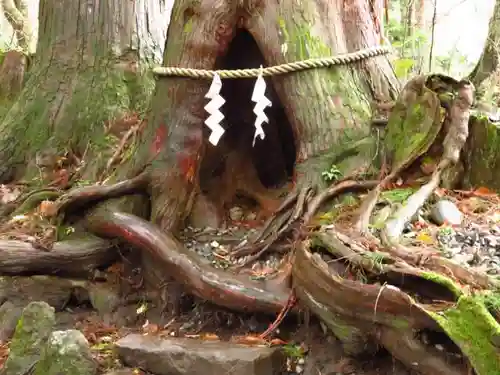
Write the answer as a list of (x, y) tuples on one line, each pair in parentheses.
[(290, 303), (116, 155)]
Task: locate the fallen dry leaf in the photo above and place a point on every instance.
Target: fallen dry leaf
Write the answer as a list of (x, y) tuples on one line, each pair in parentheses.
[(484, 191), (249, 340), (425, 238), (150, 327), (210, 337), (47, 209), (8, 195), (277, 341)]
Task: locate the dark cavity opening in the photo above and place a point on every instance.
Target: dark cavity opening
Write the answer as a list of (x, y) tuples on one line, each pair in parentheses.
[(273, 158)]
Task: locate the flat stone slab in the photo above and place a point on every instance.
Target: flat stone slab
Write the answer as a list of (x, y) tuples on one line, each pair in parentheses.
[(180, 356)]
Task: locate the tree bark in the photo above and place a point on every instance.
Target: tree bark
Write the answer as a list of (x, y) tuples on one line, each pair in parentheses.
[(489, 61), (16, 12), (393, 289), (321, 104), (14, 63), (86, 74)]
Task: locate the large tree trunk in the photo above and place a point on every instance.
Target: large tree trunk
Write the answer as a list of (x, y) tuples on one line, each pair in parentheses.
[(324, 108), (322, 105)]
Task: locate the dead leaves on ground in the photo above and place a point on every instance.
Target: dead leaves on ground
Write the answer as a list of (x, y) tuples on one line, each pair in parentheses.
[(9, 193)]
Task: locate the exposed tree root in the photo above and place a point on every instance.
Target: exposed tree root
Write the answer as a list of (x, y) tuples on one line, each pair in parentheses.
[(393, 227), (350, 295), (291, 302), (403, 345), (119, 150), (28, 201), (71, 257), (231, 291), (296, 211), (90, 194), (33, 199), (332, 192)]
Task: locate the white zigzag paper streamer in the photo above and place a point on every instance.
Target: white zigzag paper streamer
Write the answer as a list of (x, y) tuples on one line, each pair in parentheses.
[(216, 116), (261, 102)]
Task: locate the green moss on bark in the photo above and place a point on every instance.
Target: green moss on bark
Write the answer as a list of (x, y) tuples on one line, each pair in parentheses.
[(413, 127), (300, 43), (482, 155), (62, 109)]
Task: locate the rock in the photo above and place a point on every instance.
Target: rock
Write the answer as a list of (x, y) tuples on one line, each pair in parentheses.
[(492, 241), (179, 356), (22, 290), (204, 214), (9, 315), (32, 331), (446, 211), (251, 216), (104, 298), (66, 353), (236, 213)]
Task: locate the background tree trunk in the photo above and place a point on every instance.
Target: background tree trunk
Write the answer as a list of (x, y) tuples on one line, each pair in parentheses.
[(489, 61), (16, 12), (86, 74), (14, 63)]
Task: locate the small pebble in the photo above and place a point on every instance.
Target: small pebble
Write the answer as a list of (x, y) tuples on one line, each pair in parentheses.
[(446, 211)]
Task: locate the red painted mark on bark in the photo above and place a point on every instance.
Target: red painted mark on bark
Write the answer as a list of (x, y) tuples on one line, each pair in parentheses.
[(187, 159), (187, 166), (159, 139)]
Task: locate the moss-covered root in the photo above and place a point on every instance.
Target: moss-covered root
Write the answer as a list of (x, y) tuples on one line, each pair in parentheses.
[(355, 338), (33, 199), (471, 326)]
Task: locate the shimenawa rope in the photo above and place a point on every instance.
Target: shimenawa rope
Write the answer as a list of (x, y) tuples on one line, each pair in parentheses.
[(344, 59)]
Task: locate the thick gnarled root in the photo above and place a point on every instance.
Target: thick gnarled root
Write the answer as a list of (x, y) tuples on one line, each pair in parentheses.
[(291, 220)]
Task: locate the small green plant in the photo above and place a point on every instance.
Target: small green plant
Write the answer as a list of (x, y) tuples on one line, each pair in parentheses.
[(331, 175), (293, 350), (445, 231), (378, 259)]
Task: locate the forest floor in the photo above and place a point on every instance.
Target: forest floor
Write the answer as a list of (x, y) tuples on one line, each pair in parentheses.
[(309, 347)]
